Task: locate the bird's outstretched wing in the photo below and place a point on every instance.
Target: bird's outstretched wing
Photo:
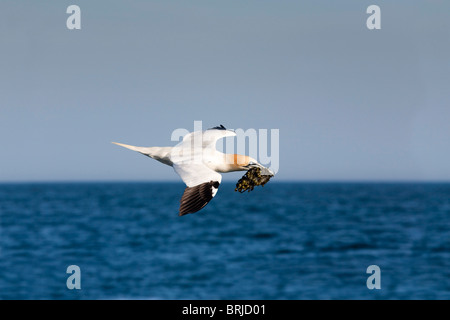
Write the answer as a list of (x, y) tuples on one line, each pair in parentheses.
[(202, 185), (195, 198), (207, 138)]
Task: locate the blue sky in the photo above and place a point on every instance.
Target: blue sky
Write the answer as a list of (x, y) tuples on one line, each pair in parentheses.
[(350, 103)]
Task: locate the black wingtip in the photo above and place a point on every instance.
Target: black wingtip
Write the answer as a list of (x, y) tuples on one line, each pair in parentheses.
[(221, 127), (197, 197)]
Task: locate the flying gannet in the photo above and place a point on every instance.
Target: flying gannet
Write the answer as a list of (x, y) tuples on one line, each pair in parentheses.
[(198, 163)]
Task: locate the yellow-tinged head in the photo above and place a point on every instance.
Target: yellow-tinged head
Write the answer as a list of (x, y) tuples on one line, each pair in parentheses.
[(237, 162)]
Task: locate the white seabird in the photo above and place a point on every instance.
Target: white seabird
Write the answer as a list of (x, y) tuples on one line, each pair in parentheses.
[(199, 164)]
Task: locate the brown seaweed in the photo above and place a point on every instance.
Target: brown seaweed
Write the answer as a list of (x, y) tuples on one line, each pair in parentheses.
[(252, 178)]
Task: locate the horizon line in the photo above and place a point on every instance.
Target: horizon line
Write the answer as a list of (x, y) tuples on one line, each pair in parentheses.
[(74, 181)]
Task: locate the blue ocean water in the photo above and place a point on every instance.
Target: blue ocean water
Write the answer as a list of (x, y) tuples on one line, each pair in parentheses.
[(283, 241)]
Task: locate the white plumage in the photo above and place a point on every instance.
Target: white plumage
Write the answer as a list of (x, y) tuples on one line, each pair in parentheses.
[(198, 163)]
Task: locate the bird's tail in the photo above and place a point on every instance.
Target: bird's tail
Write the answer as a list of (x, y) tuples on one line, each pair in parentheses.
[(144, 150), (161, 154)]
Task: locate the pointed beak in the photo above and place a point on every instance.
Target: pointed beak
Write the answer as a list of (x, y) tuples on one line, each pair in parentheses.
[(264, 171), (267, 172)]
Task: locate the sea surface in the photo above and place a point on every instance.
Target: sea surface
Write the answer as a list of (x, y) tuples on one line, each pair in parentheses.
[(283, 241)]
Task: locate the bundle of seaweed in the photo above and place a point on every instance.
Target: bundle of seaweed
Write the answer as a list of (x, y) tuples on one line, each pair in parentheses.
[(252, 178)]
